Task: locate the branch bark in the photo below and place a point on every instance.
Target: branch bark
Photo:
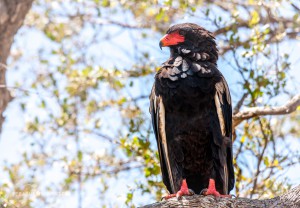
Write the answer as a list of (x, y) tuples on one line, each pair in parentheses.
[(290, 199), (12, 14), (288, 108)]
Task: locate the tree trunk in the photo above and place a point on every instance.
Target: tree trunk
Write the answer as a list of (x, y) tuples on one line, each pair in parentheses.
[(12, 14), (289, 199)]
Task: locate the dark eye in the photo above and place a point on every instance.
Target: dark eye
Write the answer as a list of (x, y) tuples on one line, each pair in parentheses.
[(182, 32)]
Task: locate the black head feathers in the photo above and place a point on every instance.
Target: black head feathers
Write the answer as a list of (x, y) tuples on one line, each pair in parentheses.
[(188, 39)]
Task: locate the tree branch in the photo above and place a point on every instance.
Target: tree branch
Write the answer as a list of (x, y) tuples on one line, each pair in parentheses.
[(12, 14), (240, 103), (289, 199), (288, 108), (295, 7)]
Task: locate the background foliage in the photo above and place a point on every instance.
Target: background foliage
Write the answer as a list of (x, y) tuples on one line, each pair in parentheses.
[(81, 72)]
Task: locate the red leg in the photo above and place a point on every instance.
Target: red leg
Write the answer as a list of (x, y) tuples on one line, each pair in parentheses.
[(184, 191), (211, 190)]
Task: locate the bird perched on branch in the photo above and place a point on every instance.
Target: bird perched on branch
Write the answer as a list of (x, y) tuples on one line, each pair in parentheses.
[(191, 113)]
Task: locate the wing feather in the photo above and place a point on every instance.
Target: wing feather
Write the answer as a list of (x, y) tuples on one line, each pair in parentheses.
[(224, 111), (157, 111)]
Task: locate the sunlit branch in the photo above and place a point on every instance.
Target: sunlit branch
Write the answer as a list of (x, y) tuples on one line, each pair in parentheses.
[(288, 108)]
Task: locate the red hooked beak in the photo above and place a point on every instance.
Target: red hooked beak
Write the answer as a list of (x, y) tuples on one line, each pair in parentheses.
[(171, 39)]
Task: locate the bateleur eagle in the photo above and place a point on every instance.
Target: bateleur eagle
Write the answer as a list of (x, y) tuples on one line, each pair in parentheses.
[(191, 111)]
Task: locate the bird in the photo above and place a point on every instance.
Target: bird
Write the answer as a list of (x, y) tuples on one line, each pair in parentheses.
[(191, 113)]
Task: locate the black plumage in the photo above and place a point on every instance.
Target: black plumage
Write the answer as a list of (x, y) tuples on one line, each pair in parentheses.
[(191, 113)]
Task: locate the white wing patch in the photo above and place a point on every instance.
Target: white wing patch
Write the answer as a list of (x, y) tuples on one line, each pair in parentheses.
[(220, 114), (162, 131), (225, 188)]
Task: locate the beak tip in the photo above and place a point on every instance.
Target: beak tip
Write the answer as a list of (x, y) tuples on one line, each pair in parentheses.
[(160, 45)]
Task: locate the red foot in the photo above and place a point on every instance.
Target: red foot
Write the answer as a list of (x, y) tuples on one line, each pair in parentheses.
[(184, 191), (212, 190)]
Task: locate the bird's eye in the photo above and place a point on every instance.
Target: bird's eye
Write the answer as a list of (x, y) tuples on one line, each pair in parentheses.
[(182, 32)]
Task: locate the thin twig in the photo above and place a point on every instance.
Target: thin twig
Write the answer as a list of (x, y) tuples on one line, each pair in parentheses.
[(260, 159), (240, 103)]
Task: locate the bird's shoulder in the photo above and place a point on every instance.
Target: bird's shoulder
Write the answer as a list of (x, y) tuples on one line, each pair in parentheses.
[(178, 68)]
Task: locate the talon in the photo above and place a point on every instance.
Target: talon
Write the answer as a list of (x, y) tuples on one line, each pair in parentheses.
[(191, 192), (203, 191), (163, 198), (169, 196), (184, 191), (179, 195), (211, 190)]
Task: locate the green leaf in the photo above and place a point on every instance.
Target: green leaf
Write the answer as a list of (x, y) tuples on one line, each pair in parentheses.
[(79, 156), (254, 18), (243, 139), (129, 198), (266, 161)]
